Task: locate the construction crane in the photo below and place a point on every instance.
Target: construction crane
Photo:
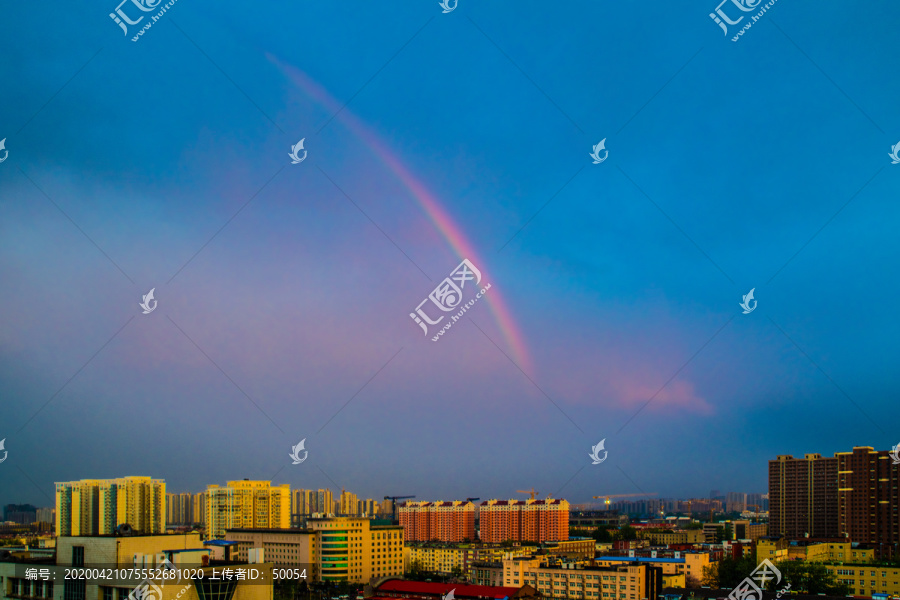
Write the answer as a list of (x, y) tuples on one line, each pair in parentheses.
[(606, 497), (530, 492), (393, 500)]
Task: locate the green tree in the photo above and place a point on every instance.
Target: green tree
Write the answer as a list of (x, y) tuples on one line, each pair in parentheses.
[(626, 532), (601, 534), (810, 578)]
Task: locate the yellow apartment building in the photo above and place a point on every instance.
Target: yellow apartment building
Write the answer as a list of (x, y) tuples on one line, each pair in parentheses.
[(633, 581), (246, 505), (666, 538), (332, 549), (99, 506)]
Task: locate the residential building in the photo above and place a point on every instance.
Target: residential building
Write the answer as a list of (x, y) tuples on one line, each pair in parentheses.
[(803, 496), (23, 514), (349, 504), (868, 499), (198, 508), (561, 581), (442, 521), (869, 579), (99, 506), (524, 520), (673, 536), (446, 558), (486, 572), (347, 549), (736, 502), (591, 519), (690, 564), (245, 505), (180, 509), (46, 515)]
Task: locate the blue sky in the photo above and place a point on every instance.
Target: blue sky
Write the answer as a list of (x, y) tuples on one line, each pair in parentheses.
[(285, 290)]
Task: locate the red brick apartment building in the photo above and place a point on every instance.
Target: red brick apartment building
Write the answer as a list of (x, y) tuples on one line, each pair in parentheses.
[(524, 520), (444, 521)]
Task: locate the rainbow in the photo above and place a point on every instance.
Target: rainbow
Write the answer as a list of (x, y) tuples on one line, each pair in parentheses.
[(432, 208)]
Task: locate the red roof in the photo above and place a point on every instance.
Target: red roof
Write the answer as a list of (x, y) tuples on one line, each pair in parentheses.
[(440, 589)]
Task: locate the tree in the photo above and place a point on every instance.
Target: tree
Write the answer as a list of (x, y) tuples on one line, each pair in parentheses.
[(601, 534), (810, 578), (691, 582), (507, 544), (626, 532)]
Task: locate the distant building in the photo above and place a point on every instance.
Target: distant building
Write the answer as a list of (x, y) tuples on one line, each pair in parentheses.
[(524, 520), (349, 504), (736, 502), (22, 514), (180, 509), (245, 505), (592, 519), (442, 521), (99, 506), (803, 496), (46, 515), (339, 549)]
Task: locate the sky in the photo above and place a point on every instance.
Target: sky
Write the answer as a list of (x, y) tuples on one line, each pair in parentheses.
[(283, 291)]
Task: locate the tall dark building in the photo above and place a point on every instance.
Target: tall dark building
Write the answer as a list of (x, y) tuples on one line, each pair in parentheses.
[(23, 514), (803, 496), (868, 499)]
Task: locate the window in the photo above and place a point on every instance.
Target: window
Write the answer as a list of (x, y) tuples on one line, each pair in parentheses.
[(77, 556)]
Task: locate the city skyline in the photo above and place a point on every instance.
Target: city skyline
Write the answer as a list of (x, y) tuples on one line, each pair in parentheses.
[(284, 340)]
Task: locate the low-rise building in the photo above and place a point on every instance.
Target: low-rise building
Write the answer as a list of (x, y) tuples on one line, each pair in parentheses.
[(348, 549), (570, 581), (484, 572), (665, 537), (456, 558), (113, 567)]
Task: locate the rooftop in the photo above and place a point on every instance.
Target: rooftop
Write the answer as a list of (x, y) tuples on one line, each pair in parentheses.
[(441, 589)]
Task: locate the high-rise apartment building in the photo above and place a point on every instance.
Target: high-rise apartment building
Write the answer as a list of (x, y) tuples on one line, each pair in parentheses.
[(868, 499), (308, 502), (803, 496), (99, 506), (524, 520), (198, 508), (736, 502), (444, 521), (247, 504), (349, 504), (180, 509)]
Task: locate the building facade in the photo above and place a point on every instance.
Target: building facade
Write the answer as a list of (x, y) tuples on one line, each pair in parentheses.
[(99, 506), (339, 549), (632, 581), (441, 521), (803, 496), (245, 505), (869, 499), (524, 520)]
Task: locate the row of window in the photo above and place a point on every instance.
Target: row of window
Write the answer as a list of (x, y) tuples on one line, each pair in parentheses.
[(31, 589)]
